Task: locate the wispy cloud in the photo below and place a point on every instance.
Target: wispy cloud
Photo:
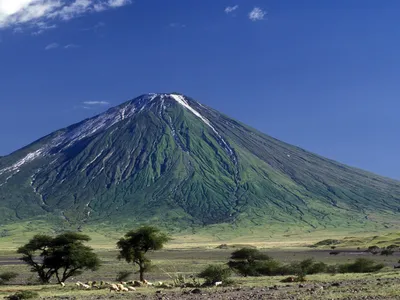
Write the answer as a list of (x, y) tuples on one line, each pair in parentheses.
[(42, 27), (71, 46), (231, 9), (52, 46), (257, 14), (36, 12), (94, 27), (93, 103), (18, 30)]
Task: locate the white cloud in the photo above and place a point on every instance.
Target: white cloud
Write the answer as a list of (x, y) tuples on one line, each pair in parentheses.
[(34, 12), (96, 27), (42, 27), (257, 14), (231, 9), (51, 46), (71, 46), (96, 103), (117, 3)]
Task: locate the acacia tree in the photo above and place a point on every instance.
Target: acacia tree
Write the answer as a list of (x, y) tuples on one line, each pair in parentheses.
[(63, 256), (136, 243), (251, 262)]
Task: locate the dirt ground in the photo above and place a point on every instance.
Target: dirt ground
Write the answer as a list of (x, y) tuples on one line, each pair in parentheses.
[(374, 288)]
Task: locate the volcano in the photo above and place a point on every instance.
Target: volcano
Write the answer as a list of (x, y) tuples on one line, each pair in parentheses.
[(167, 159)]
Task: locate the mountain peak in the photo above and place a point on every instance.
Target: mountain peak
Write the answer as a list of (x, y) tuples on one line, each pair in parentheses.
[(163, 157)]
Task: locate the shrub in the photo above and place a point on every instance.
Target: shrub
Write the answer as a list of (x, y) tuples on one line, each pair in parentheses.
[(373, 249), (7, 276), (249, 254), (317, 267), (23, 295), (334, 252), (123, 275), (251, 262), (222, 246), (181, 281), (361, 265), (327, 242), (392, 247), (268, 268), (300, 278), (215, 273), (307, 267), (387, 252), (331, 269)]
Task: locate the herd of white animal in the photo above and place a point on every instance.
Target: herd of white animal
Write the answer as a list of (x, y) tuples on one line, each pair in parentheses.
[(129, 286), (118, 287)]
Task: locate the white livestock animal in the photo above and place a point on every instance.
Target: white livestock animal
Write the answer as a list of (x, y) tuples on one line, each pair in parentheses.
[(114, 287), (120, 286), (82, 285), (147, 283), (218, 283), (124, 289), (131, 288)]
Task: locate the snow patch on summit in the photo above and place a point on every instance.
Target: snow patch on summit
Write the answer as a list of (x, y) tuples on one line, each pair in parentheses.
[(89, 127), (181, 100), (28, 158)]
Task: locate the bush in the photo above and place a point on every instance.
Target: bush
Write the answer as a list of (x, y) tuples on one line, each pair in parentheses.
[(181, 281), (23, 295), (334, 252), (332, 269), (361, 265), (392, 247), (249, 254), (327, 242), (7, 276), (215, 273), (306, 267), (251, 262), (387, 252), (373, 249), (123, 275)]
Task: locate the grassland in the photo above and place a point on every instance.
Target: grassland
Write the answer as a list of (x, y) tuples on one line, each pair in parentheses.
[(175, 260), (104, 237)]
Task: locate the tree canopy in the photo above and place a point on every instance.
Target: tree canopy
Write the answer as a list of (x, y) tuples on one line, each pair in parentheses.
[(136, 243), (62, 256), (252, 262)]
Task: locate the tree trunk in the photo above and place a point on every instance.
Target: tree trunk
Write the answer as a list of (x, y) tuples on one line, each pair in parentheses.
[(58, 278), (141, 272)]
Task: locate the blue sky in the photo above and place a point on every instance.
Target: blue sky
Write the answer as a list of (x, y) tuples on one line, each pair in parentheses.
[(322, 75)]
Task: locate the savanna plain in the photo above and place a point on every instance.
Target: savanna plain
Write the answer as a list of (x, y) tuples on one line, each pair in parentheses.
[(175, 270)]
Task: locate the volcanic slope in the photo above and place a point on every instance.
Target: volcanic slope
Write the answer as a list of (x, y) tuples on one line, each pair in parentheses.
[(169, 160)]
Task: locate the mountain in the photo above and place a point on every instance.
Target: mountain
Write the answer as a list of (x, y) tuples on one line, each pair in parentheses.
[(169, 160)]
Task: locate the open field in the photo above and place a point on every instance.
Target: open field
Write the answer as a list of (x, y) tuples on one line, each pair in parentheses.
[(169, 263), (104, 237)]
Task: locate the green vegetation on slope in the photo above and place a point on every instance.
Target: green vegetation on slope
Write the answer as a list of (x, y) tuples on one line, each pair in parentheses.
[(165, 165)]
